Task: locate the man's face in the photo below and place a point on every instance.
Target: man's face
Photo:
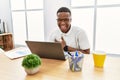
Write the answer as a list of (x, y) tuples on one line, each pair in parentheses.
[(64, 21)]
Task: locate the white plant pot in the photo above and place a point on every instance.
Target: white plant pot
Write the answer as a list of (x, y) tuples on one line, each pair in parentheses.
[(32, 70)]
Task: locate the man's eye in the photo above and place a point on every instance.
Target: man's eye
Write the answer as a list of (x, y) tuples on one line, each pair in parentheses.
[(60, 19), (63, 19), (66, 19)]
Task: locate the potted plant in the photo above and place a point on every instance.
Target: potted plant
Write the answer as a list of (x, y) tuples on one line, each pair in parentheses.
[(31, 63)]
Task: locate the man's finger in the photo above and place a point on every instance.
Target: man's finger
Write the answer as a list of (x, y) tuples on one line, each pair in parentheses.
[(56, 40), (62, 38)]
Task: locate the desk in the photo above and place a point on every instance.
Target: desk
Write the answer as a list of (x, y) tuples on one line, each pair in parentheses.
[(59, 70)]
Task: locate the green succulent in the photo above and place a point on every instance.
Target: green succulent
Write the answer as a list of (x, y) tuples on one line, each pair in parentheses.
[(31, 61)]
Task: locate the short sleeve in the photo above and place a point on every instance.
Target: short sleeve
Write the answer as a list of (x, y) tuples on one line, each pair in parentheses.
[(55, 35), (52, 37), (83, 40)]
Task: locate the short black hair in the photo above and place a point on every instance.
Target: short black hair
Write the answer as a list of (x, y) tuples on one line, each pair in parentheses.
[(64, 9)]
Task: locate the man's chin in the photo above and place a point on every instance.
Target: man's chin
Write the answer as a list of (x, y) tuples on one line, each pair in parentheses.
[(63, 31)]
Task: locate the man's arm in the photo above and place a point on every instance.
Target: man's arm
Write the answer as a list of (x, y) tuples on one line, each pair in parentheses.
[(86, 51)]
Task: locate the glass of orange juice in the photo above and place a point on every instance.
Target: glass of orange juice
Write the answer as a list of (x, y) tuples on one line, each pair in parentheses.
[(99, 58)]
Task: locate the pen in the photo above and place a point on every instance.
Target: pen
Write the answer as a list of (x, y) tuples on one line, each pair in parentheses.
[(69, 53)]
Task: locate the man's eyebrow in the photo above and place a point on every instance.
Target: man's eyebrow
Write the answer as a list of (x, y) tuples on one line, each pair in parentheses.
[(63, 18)]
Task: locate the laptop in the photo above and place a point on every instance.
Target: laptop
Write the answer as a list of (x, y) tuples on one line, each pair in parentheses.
[(50, 50)]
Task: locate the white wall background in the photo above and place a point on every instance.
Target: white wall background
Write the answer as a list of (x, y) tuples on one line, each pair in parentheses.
[(49, 18), (5, 14), (50, 9)]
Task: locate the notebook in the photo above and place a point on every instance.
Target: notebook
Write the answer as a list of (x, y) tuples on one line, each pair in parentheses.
[(17, 52), (50, 50)]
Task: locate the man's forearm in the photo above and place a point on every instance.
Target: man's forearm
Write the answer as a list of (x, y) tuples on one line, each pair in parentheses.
[(87, 51)]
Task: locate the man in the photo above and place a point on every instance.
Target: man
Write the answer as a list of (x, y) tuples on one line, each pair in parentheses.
[(71, 38)]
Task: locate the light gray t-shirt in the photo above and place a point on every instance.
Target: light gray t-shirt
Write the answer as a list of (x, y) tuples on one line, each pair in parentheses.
[(75, 37)]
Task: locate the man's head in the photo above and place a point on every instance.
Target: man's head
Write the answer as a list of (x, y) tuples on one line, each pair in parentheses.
[(64, 19)]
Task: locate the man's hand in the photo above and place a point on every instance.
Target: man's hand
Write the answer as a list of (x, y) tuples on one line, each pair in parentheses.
[(62, 41)]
